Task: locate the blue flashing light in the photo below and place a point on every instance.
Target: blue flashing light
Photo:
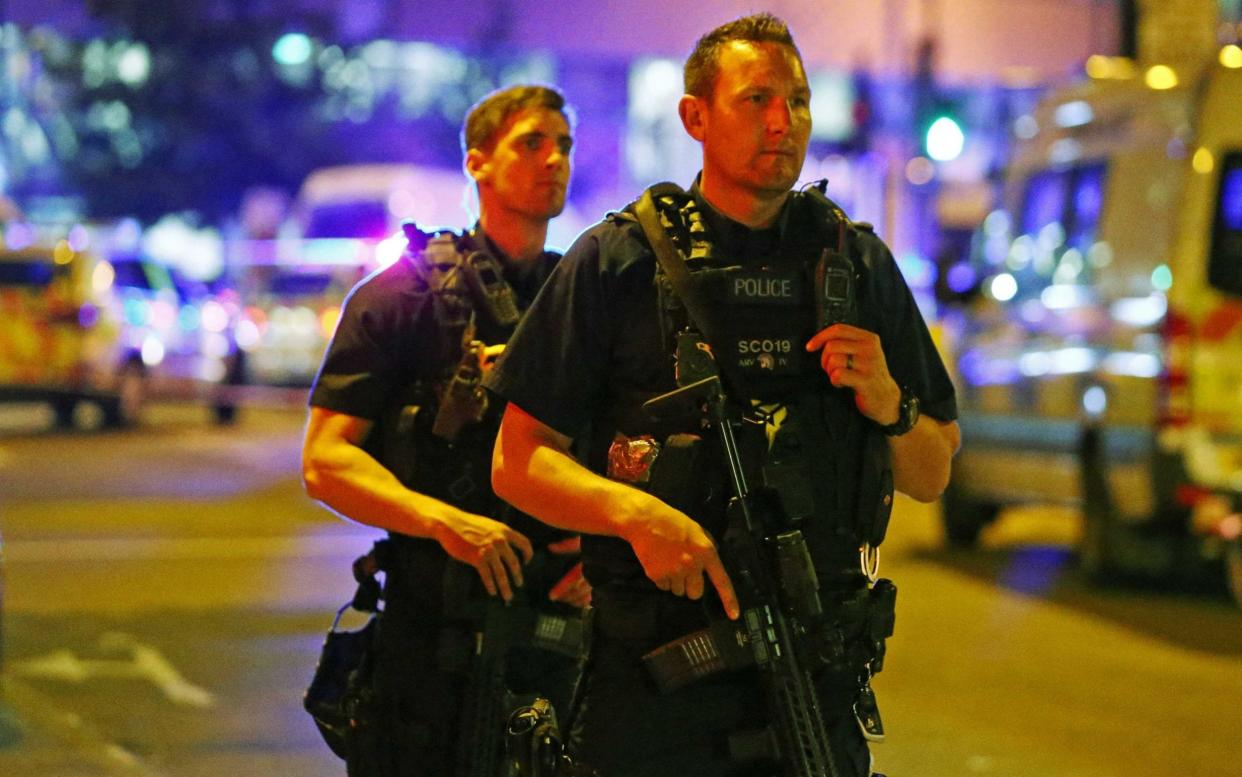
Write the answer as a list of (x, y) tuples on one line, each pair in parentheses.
[(961, 278), (292, 49), (1231, 200)]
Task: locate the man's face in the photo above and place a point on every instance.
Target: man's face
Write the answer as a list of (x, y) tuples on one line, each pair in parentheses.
[(526, 172), (756, 123)]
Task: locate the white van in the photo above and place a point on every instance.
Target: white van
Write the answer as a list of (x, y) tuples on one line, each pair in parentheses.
[(348, 224), (1102, 364), (369, 201)]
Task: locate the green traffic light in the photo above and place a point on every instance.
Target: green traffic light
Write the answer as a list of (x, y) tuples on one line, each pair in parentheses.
[(944, 140)]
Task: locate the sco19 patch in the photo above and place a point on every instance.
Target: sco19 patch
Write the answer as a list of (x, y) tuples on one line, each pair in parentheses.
[(766, 341)]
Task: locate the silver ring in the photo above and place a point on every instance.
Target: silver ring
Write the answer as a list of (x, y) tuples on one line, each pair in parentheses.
[(849, 361)]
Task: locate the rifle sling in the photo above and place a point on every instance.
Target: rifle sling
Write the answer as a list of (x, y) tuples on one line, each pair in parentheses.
[(673, 263)]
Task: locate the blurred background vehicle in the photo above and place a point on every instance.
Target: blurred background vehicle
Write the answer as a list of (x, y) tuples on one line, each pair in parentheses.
[(345, 222), (344, 123), (112, 332), (369, 201), (289, 312), (1100, 361)]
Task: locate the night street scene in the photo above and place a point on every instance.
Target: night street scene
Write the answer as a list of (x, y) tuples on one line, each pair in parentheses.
[(216, 431)]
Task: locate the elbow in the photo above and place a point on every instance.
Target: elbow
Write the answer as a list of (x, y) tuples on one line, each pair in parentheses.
[(927, 482), (501, 480), (314, 473), (933, 485), (312, 479), (927, 490)]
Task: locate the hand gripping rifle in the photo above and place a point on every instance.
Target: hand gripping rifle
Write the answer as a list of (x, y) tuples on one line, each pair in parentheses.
[(487, 700), (775, 580), (766, 558)]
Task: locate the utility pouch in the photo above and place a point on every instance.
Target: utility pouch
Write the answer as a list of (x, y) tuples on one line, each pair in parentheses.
[(677, 477), (464, 400), (787, 473), (340, 697), (882, 617)]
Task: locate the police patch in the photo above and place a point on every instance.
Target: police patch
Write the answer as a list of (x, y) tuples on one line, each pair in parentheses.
[(764, 287), (771, 355)]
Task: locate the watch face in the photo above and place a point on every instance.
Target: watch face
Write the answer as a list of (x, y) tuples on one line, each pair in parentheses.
[(908, 415)]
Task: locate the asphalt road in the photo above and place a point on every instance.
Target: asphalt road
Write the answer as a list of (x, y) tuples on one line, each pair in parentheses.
[(167, 590)]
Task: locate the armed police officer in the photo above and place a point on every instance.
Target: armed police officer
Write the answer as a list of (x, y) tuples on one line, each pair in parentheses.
[(400, 437), (736, 362)]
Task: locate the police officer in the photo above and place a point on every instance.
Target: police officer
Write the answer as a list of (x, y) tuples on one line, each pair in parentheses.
[(600, 340), (374, 454)]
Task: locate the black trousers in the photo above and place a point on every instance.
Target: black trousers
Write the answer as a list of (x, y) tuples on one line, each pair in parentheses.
[(624, 727), (415, 729), (420, 677)]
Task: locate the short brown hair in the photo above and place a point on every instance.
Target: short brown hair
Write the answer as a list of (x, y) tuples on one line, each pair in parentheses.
[(703, 63), (488, 115)]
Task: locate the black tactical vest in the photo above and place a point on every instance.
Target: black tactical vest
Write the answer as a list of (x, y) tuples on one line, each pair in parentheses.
[(828, 462), (457, 472)]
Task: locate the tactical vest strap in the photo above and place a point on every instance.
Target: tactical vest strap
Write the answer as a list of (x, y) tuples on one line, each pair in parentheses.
[(673, 263)]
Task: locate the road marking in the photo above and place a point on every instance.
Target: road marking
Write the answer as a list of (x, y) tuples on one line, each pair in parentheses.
[(143, 662), (185, 548), (77, 737)]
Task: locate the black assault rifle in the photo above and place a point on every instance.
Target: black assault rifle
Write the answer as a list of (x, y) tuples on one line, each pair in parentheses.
[(778, 591), (487, 701)]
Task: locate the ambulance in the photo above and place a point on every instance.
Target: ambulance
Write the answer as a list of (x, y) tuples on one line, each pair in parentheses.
[(77, 328), (1101, 364)]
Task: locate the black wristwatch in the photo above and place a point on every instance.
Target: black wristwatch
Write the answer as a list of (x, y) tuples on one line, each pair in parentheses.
[(907, 415)]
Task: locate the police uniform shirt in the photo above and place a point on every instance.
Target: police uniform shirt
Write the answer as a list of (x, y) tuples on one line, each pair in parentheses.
[(592, 339), (388, 335)]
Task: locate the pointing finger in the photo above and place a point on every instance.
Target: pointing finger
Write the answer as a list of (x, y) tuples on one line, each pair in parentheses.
[(724, 586)]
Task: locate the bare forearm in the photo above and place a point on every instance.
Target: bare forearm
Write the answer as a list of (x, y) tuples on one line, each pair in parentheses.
[(352, 483), (921, 458), (541, 478)]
